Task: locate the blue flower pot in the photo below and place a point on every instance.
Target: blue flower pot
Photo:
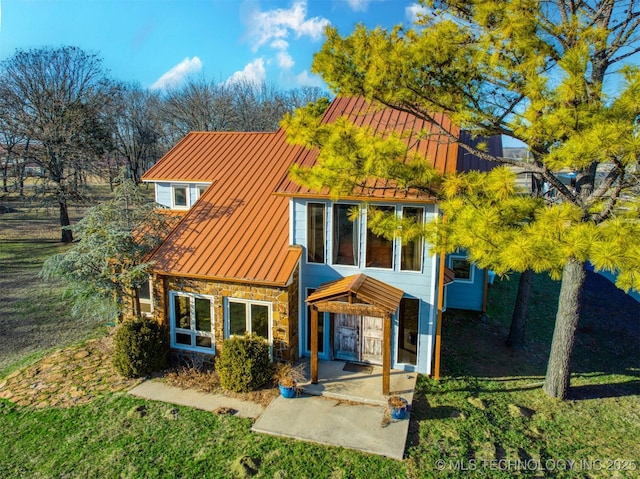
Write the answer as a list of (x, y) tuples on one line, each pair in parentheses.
[(399, 412), (286, 392)]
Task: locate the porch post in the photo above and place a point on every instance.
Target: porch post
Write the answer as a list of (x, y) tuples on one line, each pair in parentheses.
[(386, 354), (314, 344)]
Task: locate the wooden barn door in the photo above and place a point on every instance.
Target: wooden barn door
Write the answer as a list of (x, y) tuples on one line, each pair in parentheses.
[(358, 338), (372, 333)]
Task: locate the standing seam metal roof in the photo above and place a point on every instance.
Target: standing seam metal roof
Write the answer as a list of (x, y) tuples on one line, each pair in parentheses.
[(237, 230), (422, 138)]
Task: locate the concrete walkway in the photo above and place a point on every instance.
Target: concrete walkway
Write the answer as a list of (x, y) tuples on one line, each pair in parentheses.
[(159, 391)]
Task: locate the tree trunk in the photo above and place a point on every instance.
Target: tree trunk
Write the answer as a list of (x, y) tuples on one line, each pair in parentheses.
[(556, 382), (67, 236), (521, 311)]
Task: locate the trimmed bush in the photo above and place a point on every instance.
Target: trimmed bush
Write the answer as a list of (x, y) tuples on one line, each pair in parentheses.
[(244, 364), (141, 347)]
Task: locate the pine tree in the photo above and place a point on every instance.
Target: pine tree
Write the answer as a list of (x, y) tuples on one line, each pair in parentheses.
[(554, 75)]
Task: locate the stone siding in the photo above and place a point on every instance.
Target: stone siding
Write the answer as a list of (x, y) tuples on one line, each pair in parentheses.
[(284, 302)]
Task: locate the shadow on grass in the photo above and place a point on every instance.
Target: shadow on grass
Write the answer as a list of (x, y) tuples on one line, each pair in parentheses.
[(607, 340), (610, 390)]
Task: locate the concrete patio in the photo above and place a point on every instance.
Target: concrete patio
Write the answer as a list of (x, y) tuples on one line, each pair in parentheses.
[(345, 409)]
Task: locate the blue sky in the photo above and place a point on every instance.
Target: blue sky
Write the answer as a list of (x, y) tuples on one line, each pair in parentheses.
[(158, 43)]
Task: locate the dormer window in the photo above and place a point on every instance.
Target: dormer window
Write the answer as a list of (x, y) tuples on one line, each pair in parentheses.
[(180, 196)]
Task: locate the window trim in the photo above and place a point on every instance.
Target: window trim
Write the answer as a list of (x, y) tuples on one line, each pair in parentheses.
[(357, 234), (148, 301), (249, 302), (471, 268), (422, 255), (324, 232), (392, 242), (175, 186), (191, 331)]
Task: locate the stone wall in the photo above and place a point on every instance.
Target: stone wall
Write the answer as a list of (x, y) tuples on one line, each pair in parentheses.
[(284, 310)]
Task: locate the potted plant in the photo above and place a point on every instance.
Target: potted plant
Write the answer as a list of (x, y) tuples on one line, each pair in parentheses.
[(398, 407), (287, 376)]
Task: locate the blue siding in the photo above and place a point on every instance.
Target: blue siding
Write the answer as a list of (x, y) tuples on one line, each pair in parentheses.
[(465, 294), (419, 285)]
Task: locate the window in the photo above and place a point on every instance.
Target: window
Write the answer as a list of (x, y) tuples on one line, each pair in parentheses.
[(320, 328), (202, 189), (462, 269), (249, 317), (345, 236), (191, 322), (379, 248), (315, 232), (411, 251), (180, 196), (144, 295), (408, 316)]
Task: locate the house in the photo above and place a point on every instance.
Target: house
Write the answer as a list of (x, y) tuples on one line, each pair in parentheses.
[(255, 252)]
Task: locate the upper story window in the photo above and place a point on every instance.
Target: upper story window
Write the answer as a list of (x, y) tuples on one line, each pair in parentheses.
[(180, 196), (411, 251), (345, 236), (315, 232), (202, 189), (379, 248)]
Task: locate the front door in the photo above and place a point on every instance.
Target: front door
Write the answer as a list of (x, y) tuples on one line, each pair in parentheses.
[(358, 338)]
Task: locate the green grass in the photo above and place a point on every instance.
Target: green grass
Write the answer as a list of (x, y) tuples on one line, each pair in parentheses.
[(111, 438)]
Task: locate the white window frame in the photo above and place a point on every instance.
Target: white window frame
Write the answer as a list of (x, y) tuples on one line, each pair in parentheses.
[(324, 228), (471, 268), (357, 235), (422, 255), (175, 186), (248, 302), (366, 240), (192, 330), (147, 301), (200, 189)]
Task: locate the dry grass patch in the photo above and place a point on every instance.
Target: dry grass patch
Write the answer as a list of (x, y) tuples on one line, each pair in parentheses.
[(206, 380)]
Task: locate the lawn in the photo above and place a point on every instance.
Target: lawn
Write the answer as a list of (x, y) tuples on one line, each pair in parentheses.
[(487, 417)]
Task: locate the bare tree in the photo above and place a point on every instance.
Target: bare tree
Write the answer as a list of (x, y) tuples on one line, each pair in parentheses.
[(137, 129), (198, 105), (60, 96)]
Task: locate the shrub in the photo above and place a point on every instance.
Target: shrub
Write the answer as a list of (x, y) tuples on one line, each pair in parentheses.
[(141, 347), (244, 364)]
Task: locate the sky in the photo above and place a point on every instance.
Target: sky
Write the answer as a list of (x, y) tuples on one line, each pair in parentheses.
[(160, 43)]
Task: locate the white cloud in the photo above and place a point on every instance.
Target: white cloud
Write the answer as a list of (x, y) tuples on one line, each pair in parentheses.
[(280, 44), (278, 24), (177, 74), (253, 72), (284, 60), (414, 11), (358, 5)]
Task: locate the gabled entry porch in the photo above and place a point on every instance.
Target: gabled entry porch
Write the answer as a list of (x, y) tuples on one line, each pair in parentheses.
[(362, 308)]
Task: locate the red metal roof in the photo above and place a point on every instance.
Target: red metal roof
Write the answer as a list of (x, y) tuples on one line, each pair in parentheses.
[(238, 230), (423, 137)]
